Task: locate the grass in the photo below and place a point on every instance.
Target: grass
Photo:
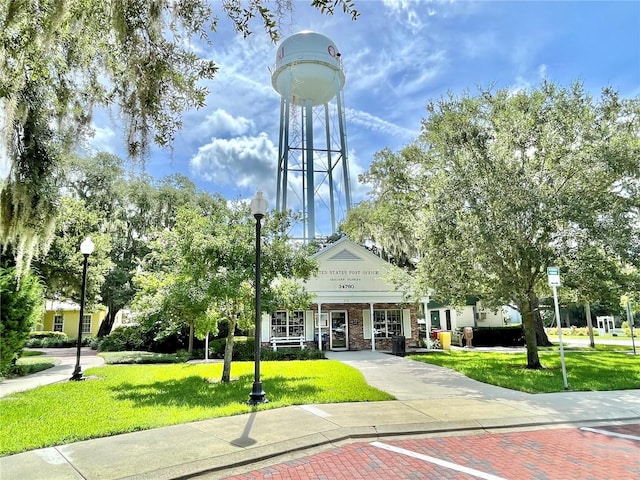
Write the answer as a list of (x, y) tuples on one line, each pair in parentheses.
[(32, 362), (31, 353), (599, 370), (124, 398), (135, 357)]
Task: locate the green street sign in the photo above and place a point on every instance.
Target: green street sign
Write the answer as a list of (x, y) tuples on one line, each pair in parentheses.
[(553, 274)]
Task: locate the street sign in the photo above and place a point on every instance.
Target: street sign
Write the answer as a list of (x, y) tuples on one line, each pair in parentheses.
[(553, 274)]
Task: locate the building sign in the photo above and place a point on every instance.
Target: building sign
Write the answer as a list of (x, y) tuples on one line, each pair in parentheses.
[(348, 268), (347, 279)]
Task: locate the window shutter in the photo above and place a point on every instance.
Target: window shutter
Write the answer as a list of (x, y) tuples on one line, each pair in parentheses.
[(308, 325), (266, 327), (406, 322), (366, 324)]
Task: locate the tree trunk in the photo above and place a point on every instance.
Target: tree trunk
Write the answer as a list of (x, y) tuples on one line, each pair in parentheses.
[(107, 322), (529, 323), (191, 329), (228, 351), (542, 340)]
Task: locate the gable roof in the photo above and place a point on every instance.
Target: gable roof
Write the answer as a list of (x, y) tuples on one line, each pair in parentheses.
[(347, 250)]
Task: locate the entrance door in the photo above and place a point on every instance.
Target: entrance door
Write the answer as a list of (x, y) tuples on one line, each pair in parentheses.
[(339, 330), (447, 316)]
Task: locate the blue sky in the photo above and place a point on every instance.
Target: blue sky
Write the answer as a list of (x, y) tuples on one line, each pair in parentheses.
[(397, 55)]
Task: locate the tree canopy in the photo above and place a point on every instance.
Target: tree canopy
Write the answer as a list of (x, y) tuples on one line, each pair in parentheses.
[(503, 184), (60, 59), (201, 272)]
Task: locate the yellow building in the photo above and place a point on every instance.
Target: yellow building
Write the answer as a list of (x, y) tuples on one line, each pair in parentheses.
[(63, 317)]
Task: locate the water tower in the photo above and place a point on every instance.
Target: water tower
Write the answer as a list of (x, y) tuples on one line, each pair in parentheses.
[(308, 75)]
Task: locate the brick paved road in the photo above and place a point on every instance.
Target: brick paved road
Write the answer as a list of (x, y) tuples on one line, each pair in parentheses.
[(568, 453)]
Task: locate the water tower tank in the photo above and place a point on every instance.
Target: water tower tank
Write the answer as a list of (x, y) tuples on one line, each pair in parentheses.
[(308, 68)]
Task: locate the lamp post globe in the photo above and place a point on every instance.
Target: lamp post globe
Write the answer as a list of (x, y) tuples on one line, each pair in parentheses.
[(86, 248), (258, 210)]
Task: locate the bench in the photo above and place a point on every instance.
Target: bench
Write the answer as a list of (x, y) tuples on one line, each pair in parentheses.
[(287, 342)]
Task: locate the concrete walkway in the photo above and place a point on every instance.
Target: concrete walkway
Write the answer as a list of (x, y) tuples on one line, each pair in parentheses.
[(430, 400), (60, 373)]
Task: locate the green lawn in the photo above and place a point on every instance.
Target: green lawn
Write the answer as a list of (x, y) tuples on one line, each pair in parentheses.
[(32, 362), (124, 398), (586, 370)]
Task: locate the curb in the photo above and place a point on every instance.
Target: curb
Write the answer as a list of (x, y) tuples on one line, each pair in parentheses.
[(225, 463)]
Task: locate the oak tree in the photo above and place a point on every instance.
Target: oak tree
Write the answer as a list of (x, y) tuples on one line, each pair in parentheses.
[(503, 184), (61, 59)]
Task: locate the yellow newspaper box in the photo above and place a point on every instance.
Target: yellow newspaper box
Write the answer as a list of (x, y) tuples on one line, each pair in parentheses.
[(445, 340)]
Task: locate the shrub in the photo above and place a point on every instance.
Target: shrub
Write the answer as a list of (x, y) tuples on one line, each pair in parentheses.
[(27, 366), (21, 309), (573, 330), (47, 334), (116, 358), (42, 339), (53, 340), (431, 343), (627, 329), (216, 347), (498, 336), (243, 348), (292, 354), (124, 339)]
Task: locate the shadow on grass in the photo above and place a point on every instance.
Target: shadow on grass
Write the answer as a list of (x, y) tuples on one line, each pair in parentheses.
[(196, 391)]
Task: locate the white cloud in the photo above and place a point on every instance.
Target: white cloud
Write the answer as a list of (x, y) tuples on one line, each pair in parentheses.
[(408, 11), (247, 162), (102, 140), (371, 122), (220, 123), (542, 71)]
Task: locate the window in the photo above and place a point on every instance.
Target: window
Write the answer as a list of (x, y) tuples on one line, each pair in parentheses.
[(58, 322), (86, 323), (287, 324), (324, 322), (387, 323)]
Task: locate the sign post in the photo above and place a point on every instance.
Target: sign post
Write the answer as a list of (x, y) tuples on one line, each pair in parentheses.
[(630, 321), (553, 274)]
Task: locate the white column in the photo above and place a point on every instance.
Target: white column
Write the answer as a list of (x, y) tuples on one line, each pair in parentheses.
[(320, 326), (373, 332), (427, 319)]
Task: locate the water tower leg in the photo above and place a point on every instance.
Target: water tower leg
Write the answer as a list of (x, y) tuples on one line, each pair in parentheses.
[(329, 168), (311, 217), (343, 149), (281, 148), (286, 155)]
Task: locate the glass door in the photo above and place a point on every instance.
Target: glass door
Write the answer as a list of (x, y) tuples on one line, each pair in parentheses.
[(339, 330)]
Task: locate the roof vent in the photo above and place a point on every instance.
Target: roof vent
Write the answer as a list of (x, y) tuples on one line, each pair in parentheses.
[(346, 255)]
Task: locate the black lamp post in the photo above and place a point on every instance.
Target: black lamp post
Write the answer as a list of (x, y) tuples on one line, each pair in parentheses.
[(258, 209), (86, 248)]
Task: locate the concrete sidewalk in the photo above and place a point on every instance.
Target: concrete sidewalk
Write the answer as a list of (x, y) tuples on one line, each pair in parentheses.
[(60, 373), (430, 400)]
